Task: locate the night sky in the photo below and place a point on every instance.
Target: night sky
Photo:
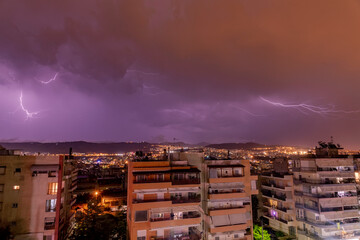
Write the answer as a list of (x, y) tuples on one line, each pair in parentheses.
[(276, 72)]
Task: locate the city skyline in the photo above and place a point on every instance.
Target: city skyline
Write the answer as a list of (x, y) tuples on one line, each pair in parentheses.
[(236, 71)]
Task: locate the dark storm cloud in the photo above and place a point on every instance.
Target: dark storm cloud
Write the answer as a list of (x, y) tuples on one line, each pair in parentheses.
[(194, 70)]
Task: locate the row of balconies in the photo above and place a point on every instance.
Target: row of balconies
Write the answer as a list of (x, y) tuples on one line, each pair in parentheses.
[(323, 181), (173, 181), (185, 215), (173, 199), (330, 195)]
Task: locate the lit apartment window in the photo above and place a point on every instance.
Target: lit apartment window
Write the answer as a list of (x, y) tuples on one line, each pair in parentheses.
[(52, 188), (50, 205), (2, 170), (2, 187), (141, 216), (16, 187)]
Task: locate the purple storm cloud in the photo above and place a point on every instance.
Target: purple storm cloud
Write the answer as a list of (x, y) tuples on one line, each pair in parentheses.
[(213, 71)]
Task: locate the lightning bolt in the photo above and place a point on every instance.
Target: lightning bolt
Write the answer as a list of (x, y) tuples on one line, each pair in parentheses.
[(28, 114), (306, 108), (50, 80)]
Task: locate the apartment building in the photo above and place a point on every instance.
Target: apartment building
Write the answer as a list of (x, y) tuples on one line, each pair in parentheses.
[(36, 195), (163, 199), (277, 197), (326, 199), (227, 192), (186, 196)]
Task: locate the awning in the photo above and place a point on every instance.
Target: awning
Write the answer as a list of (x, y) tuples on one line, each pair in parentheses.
[(221, 220), (349, 201), (176, 190), (330, 203), (45, 167), (237, 218), (171, 228), (336, 188), (151, 191), (333, 162), (161, 210), (187, 208)]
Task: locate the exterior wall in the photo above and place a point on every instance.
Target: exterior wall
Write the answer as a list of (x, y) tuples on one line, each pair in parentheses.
[(27, 220), (278, 201), (326, 198)]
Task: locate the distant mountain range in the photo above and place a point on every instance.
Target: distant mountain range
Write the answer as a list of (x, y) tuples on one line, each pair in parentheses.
[(248, 145), (119, 147), (80, 147)]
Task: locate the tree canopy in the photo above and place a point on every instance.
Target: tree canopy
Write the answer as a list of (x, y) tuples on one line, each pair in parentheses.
[(258, 233), (93, 223)]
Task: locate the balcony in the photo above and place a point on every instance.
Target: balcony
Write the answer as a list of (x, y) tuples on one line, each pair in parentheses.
[(272, 194), (330, 195), (185, 181), (194, 199), (267, 215), (280, 208), (152, 181), (49, 225), (186, 215), (150, 200)]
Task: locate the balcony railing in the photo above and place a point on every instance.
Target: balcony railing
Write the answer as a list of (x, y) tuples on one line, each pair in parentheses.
[(186, 215), (330, 195), (224, 191), (283, 209), (323, 181), (151, 180), (195, 199), (150, 200), (49, 225)]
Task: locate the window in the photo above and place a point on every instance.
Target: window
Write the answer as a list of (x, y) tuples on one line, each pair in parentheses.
[(14, 205), (1, 205), (2, 187), (47, 237), (18, 170), (16, 187), (49, 223), (141, 235), (52, 188), (2, 170), (141, 216), (50, 205), (52, 174), (217, 238)]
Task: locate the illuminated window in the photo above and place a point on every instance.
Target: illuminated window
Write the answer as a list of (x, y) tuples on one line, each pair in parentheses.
[(16, 187), (50, 205), (52, 188)]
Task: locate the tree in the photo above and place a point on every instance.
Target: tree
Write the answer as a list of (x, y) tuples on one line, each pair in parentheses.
[(94, 224), (259, 231)]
